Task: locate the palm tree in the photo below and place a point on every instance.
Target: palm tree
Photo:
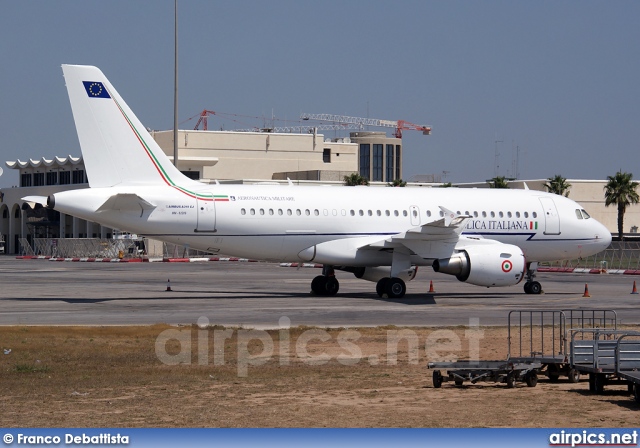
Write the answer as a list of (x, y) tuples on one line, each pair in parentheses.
[(397, 183), (498, 182), (354, 179), (558, 185), (621, 191)]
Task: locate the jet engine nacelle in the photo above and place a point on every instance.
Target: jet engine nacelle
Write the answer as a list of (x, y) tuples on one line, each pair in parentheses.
[(375, 273), (485, 265)]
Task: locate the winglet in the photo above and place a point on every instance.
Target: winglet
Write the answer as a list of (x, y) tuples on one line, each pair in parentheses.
[(452, 219)]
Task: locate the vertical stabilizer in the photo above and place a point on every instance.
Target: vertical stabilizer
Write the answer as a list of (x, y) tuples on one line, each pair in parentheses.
[(116, 148)]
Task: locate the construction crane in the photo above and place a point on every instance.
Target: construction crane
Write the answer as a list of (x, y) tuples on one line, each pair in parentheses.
[(203, 119), (400, 125)]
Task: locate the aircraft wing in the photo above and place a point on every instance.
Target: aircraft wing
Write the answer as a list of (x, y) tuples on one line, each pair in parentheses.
[(126, 202), (436, 239)]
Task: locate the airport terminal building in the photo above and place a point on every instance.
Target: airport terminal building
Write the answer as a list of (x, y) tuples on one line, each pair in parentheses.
[(245, 157)]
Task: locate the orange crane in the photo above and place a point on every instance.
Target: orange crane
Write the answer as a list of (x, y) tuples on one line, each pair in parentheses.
[(400, 125), (203, 119)]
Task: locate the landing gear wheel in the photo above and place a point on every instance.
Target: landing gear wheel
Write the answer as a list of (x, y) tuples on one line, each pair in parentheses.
[(535, 288), (531, 378), (532, 288), (331, 286), (574, 376), (317, 285), (437, 379), (381, 286), (396, 288), (511, 380), (323, 285)]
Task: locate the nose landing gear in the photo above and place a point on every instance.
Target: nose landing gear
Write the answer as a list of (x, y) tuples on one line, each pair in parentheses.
[(531, 286)]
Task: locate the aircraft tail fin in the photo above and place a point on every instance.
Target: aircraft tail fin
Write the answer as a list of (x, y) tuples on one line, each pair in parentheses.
[(116, 147)]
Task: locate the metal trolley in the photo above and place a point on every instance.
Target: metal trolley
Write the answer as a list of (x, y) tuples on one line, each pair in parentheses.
[(494, 371), (608, 356), (543, 336), (537, 343), (628, 362)]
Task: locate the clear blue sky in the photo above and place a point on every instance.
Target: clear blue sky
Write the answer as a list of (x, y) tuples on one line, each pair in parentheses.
[(558, 79)]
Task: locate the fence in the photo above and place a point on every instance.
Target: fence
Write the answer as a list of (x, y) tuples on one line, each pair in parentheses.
[(105, 248), (619, 255), (80, 247)]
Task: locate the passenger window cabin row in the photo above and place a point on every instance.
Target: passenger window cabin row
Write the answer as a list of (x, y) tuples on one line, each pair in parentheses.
[(389, 213)]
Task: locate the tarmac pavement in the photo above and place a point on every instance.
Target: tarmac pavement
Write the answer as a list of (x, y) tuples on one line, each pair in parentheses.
[(42, 292)]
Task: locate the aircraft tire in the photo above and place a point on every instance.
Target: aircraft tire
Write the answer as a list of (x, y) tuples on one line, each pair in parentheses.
[(396, 288), (331, 286), (381, 286), (535, 288), (527, 288), (318, 285)]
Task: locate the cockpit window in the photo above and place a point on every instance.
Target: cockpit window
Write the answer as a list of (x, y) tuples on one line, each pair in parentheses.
[(585, 214), (578, 214)]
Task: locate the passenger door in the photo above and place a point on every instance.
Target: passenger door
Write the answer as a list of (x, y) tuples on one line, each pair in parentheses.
[(206, 215), (551, 218)]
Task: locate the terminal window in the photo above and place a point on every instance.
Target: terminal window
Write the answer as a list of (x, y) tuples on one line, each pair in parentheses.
[(389, 163), (193, 175), (377, 162), (326, 155), (25, 179), (38, 179), (65, 177), (52, 178), (78, 177), (365, 160)]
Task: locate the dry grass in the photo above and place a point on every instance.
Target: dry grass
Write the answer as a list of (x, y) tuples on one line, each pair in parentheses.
[(111, 376)]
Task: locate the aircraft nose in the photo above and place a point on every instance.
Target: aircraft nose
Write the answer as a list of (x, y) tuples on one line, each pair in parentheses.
[(603, 236)]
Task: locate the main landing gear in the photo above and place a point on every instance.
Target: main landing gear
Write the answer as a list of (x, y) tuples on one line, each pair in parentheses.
[(531, 286), (393, 287), (325, 284)]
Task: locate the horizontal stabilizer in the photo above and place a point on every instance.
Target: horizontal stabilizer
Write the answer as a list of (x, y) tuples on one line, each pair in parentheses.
[(32, 200), (126, 202)]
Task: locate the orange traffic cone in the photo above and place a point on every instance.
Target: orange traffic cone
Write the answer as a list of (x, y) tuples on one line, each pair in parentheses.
[(586, 291), (169, 285), (431, 286), (634, 290)]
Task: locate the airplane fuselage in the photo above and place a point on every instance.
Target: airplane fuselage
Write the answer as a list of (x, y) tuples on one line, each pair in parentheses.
[(276, 223)]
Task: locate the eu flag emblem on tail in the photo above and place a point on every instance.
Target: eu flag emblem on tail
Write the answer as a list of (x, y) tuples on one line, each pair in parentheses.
[(96, 89)]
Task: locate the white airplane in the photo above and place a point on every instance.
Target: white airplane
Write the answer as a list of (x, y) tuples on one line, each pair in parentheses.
[(483, 237)]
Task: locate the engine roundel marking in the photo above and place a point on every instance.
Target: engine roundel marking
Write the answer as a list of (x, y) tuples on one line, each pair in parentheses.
[(506, 266)]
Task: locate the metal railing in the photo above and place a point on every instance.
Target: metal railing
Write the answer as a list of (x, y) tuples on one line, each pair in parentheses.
[(619, 255)]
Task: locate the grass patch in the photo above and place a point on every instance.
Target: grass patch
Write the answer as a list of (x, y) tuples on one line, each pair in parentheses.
[(32, 368)]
